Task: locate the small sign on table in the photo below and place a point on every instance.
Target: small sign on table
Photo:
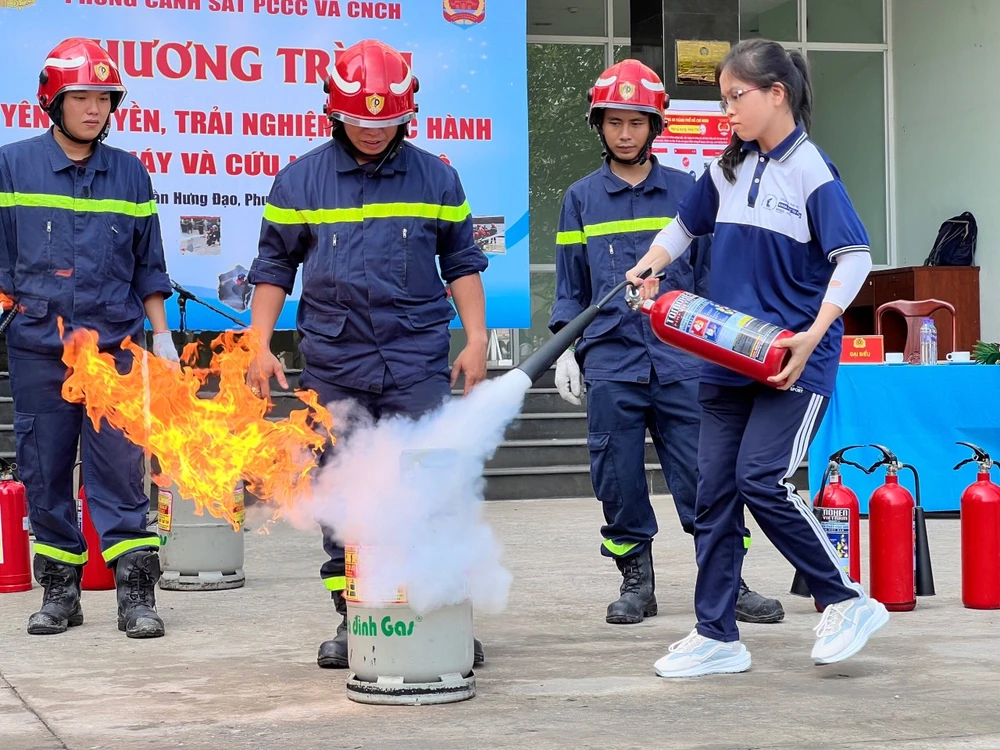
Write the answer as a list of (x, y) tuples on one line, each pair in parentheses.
[(862, 350)]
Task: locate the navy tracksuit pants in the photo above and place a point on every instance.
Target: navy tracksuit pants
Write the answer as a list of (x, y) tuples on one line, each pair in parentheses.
[(618, 415), (47, 429), (752, 441), (412, 401)]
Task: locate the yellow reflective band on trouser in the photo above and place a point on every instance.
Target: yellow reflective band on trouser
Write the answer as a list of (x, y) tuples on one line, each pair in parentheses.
[(79, 205), (128, 545), (746, 542), (337, 583), (57, 554), (619, 549), (277, 215), (625, 226)]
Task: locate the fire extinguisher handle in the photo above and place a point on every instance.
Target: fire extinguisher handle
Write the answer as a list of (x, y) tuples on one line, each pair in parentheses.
[(888, 458), (858, 466), (838, 456), (960, 464), (981, 456)]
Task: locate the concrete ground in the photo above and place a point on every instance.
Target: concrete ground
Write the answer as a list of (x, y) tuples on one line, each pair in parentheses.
[(237, 668)]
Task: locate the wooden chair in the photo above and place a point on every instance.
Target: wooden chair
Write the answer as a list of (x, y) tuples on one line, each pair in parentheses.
[(913, 312)]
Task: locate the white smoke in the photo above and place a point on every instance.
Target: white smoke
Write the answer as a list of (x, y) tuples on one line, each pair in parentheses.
[(410, 492)]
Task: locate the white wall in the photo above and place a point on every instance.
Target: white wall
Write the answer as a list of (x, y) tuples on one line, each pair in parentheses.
[(946, 54)]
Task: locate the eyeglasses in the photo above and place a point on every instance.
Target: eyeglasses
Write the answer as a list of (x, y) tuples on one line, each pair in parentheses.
[(725, 103)]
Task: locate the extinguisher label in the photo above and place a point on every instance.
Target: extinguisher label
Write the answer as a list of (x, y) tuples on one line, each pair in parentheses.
[(239, 505), (733, 330), (358, 590), (836, 525), (164, 508)]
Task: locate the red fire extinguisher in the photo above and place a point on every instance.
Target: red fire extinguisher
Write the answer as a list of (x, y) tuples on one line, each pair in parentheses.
[(718, 334), (837, 509), (899, 554), (15, 545), (980, 513), (97, 576)]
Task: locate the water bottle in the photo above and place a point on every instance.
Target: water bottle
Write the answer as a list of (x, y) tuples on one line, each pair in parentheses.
[(928, 342)]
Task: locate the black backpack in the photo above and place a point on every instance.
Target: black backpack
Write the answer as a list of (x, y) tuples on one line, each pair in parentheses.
[(956, 242)]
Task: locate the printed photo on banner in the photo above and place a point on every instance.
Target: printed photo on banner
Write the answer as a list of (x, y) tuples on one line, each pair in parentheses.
[(488, 232), (201, 235), (223, 94)]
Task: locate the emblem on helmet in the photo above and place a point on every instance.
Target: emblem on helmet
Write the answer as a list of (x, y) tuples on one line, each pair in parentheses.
[(374, 102), (626, 90)]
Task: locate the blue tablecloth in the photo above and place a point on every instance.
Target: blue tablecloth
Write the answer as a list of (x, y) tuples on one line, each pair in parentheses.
[(917, 412)]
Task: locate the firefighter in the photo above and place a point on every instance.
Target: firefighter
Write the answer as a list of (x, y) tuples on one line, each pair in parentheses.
[(633, 381), (366, 215), (80, 241)]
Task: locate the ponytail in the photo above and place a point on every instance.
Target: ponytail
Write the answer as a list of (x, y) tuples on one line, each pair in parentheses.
[(732, 157), (803, 112)]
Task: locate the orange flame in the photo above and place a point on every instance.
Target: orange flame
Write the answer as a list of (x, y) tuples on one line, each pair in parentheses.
[(203, 445), (6, 303)]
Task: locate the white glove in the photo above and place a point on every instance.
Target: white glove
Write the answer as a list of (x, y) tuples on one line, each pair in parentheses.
[(569, 381), (163, 347)]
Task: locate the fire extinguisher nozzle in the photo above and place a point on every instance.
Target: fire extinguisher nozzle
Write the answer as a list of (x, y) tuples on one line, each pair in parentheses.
[(923, 575), (799, 586)]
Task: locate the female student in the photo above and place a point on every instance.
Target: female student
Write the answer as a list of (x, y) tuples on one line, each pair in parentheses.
[(789, 249)]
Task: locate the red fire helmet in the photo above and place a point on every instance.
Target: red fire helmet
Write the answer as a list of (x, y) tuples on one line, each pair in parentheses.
[(79, 64), (371, 85), (628, 85)]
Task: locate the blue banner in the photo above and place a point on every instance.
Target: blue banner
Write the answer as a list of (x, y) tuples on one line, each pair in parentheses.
[(223, 93)]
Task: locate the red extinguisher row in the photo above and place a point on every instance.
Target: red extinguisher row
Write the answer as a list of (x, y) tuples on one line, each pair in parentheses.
[(899, 552), (15, 545)]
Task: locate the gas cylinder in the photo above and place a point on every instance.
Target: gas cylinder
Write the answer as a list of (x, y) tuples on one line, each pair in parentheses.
[(837, 509), (718, 334), (396, 654), (15, 545), (97, 576), (980, 513), (899, 556)]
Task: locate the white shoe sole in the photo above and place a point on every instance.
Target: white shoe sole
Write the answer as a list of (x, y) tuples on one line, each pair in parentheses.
[(875, 623), (729, 665)]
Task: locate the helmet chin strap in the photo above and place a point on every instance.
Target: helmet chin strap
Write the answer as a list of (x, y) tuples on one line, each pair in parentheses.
[(384, 156)]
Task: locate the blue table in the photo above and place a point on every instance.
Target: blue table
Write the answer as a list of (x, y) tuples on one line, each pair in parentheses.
[(917, 412)]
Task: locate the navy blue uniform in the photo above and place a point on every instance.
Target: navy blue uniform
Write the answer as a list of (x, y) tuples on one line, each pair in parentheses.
[(634, 382), (81, 243), (777, 231), (374, 314)]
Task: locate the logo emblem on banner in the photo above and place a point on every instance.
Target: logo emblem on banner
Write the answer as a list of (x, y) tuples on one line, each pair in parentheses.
[(16, 4), (464, 12), (102, 71), (626, 90), (374, 103)]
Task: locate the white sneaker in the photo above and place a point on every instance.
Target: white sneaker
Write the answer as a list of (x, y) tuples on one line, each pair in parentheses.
[(697, 655), (846, 627)]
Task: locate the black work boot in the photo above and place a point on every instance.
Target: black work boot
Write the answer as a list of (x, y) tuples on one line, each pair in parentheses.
[(61, 599), (333, 653), (638, 599), (136, 574), (752, 607)]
